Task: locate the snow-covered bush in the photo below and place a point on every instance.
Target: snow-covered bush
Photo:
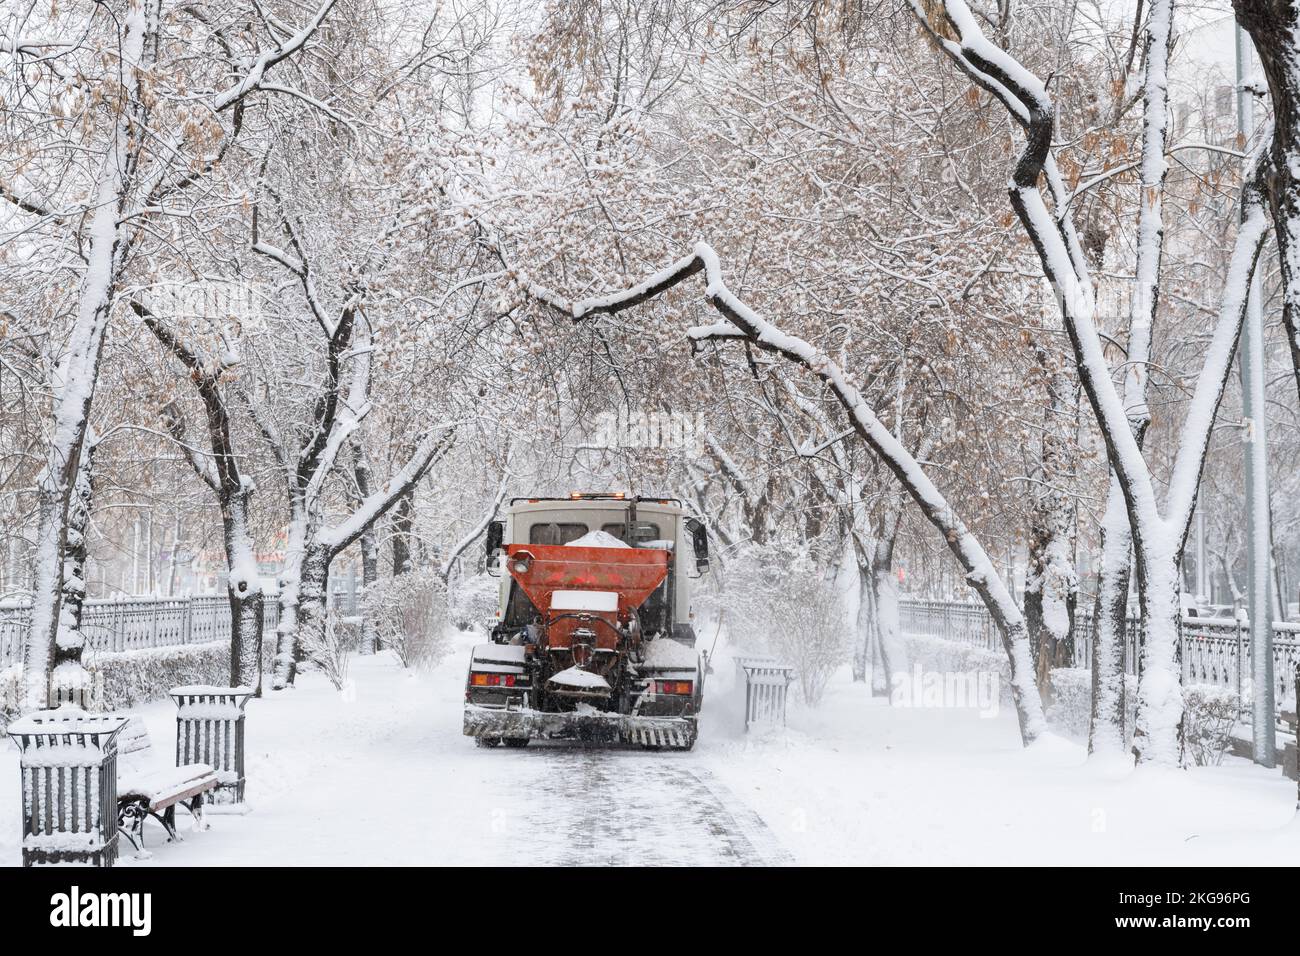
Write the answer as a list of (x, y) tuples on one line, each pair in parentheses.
[(124, 679), (807, 628), (1071, 700), (1070, 709), (473, 600), (330, 648), (410, 616), (1209, 714), (741, 596), (779, 602), (937, 655)]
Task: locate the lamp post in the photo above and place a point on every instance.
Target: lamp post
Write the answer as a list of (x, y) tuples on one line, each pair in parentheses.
[(1255, 441)]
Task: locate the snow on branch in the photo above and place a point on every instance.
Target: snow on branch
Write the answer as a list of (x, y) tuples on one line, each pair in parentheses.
[(433, 445), (256, 71), (25, 203), (480, 526), (1029, 103), (1194, 439)]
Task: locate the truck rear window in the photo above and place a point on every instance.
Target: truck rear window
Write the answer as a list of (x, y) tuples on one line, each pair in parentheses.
[(644, 531), (556, 533)]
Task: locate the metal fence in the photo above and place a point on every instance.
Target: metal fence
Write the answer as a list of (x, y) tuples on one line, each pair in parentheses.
[(1212, 650), (137, 623)]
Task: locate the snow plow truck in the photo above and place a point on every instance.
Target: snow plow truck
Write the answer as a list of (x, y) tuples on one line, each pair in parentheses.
[(593, 639)]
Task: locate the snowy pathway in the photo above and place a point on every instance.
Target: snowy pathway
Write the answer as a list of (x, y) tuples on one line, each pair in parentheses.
[(381, 775)]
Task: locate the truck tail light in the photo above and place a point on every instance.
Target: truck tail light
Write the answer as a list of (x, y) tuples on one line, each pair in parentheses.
[(678, 687), (492, 680)]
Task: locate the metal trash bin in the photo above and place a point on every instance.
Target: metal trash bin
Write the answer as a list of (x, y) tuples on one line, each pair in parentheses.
[(210, 730), (766, 682), (68, 760)]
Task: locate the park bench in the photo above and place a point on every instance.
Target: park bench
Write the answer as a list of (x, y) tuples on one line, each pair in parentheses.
[(147, 790)]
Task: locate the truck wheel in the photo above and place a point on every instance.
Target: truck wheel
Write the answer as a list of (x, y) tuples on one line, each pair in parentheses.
[(487, 741), (515, 741)]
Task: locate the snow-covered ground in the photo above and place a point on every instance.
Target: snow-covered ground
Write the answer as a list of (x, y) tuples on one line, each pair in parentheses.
[(382, 775)]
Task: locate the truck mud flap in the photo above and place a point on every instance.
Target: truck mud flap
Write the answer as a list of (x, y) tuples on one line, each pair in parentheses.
[(669, 733)]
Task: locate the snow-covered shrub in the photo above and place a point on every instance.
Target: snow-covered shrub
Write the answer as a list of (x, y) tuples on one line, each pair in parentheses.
[(410, 616), (1209, 714), (1070, 710), (123, 680), (742, 596), (807, 628), (937, 655), (127, 678), (473, 601), (1071, 704), (778, 601), (329, 649), (11, 679)]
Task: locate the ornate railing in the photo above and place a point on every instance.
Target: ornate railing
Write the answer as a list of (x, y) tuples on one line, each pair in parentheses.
[(137, 623), (1212, 650)]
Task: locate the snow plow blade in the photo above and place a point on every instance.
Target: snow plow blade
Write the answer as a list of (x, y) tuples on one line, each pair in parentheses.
[(668, 733)]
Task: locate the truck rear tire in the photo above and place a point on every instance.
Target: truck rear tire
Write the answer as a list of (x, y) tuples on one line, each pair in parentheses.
[(515, 741), (486, 741)]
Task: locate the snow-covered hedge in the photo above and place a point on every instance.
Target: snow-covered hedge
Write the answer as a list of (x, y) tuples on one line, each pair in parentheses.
[(120, 681), (936, 655), (1071, 701), (123, 680), (473, 601)]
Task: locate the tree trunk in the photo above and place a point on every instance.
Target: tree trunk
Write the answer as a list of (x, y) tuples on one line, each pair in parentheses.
[(1108, 717), (369, 554), (848, 587), (246, 616), (1051, 585), (313, 607), (403, 527), (245, 591), (69, 679), (879, 673), (1050, 598), (889, 633), (286, 632), (1158, 737), (862, 643), (1108, 730), (369, 579)]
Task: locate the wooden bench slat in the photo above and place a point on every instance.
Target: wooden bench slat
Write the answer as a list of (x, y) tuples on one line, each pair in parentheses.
[(162, 788)]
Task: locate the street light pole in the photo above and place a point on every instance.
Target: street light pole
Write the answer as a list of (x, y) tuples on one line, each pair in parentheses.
[(1254, 438)]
